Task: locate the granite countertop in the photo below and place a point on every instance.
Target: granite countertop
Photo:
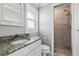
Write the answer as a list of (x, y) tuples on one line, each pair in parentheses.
[(7, 48)]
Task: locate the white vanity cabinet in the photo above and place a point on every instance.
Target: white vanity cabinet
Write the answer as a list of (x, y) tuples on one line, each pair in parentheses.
[(33, 49), (12, 14), (36, 52)]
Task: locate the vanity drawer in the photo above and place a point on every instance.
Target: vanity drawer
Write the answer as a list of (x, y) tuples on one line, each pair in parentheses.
[(26, 50)]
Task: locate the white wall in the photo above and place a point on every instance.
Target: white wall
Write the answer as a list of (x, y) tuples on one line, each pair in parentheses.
[(45, 23), (10, 30), (75, 29)]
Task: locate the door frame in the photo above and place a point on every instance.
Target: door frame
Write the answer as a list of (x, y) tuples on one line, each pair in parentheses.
[(72, 29)]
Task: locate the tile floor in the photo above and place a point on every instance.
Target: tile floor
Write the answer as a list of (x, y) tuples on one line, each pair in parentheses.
[(62, 52)]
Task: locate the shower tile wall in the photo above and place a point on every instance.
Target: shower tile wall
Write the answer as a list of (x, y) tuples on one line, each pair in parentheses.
[(62, 31)]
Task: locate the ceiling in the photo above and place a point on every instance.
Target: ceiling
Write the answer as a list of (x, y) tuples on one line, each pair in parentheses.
[(38, 5)]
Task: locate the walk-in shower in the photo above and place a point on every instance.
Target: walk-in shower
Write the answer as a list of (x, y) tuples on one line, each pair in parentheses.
[(62, 30)]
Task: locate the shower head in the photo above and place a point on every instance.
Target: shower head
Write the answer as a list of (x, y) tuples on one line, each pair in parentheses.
[(68, 12)]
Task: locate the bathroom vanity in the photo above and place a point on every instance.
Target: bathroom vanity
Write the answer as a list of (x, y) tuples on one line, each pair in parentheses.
[(33, 48), (20, 46)]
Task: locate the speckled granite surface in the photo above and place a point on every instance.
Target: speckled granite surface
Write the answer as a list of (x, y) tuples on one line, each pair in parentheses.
[(5, 43), (7, 48)]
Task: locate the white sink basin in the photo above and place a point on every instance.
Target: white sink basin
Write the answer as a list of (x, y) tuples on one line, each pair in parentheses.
[(20, 41)]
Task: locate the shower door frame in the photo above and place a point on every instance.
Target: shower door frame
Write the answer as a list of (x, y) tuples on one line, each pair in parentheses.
[(72, 28)]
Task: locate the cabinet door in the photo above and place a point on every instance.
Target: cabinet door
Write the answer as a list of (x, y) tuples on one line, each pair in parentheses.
[(26, 50), (36, 52)]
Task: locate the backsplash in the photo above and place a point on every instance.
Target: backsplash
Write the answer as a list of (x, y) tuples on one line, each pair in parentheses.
[(33, 34), (11, 30), (12, 37)]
